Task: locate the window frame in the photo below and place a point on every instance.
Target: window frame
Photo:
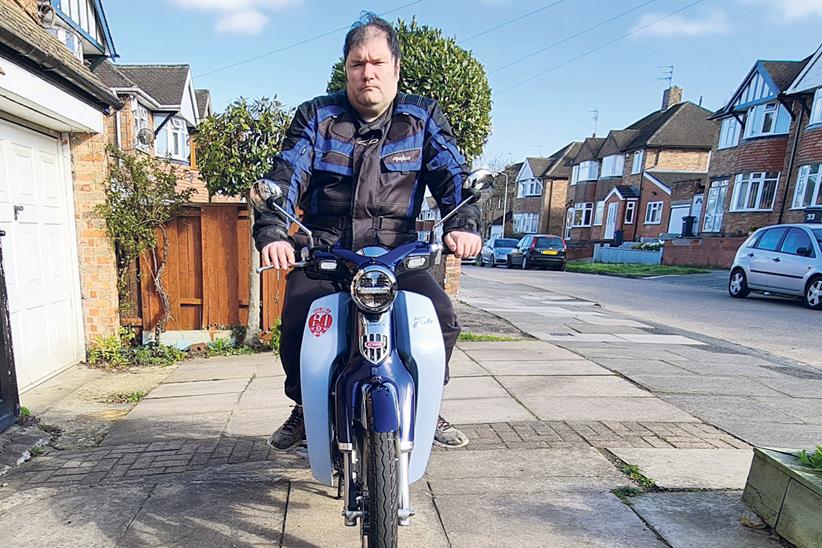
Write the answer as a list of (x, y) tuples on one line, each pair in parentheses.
[(759, 177), (638, 162), (528, 188), (759, 238), (803, 177), (816, 108), (656, 207), (599, 213), (718, 215), (574, 174), (756, 116), (726, 130), (630, 207), (810, 243), (615, 164), (587, 211), (589, 169)]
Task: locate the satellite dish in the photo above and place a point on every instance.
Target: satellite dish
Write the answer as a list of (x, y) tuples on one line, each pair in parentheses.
[(145, 136)]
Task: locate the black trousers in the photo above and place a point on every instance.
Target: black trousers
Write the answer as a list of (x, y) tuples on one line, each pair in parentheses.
[(300, 292)]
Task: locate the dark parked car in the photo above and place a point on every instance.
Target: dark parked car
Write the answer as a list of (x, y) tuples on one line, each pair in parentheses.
[(781, 259), (538, 250), (495, 251)]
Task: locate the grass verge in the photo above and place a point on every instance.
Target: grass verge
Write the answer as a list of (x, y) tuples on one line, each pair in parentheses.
[(478, 337), (631, 270)]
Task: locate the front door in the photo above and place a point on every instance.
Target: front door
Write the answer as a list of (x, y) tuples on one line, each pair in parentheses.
[(610, 222), (696, 210)]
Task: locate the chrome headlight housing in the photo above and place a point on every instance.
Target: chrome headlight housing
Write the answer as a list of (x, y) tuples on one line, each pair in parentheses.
[(374, 288)]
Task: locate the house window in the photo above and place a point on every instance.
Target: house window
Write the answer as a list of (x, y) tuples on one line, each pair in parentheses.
[(816, 110), (526, 223), (583, 214), (599, 213), (588, 171), (574, 174), (754, 191), (569, 222), (767, 119), (715, 206), (653, 213), (612, 166), (808, 187), (639, 157), (729, 133), (630, 212), (172, 139), (530, 187), (140, 122)]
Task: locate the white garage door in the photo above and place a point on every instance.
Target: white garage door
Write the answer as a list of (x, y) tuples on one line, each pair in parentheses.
[(39, 255)]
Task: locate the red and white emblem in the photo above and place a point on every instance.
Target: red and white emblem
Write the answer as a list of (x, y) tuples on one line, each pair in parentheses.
[(320, 321)]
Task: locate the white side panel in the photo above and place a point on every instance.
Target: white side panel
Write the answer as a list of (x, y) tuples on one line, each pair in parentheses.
[(324, 339), (420, 345)]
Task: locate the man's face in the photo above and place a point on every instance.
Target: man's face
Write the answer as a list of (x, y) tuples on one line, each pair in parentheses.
[(371, 75)]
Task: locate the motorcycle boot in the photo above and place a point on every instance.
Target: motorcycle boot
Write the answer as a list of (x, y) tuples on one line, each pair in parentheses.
[(291, 433)]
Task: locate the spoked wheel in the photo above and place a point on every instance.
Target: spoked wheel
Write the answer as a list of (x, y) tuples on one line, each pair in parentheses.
[(813, 294), (738, 284), (378, 526)]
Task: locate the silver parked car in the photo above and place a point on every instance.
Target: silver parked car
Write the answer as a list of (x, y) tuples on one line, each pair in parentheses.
[(495, 251), (783, 259)]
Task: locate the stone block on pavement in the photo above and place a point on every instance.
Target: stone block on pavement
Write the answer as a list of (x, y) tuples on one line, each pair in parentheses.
[(528, 389), (473, 411), (521, 354), (714, 408), (703, 518), (704, 384), (808, 410), (473, 387), (545, 367), (587, 408), (171, 426), (691, 468), (199, 388), (213, 369)]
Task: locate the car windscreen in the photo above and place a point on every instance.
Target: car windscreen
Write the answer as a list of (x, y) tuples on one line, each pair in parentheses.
[(818, 233), (548, 241), (509, 242)]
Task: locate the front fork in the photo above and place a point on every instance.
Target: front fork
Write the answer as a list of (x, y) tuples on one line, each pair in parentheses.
[(352, 490)]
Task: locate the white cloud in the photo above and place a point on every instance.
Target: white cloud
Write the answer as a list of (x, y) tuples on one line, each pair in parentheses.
[(243, 22), (789, 10), (245, 17), (715, 22)]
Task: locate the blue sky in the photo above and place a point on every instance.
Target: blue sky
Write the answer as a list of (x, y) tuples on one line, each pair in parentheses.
[(712, 45)]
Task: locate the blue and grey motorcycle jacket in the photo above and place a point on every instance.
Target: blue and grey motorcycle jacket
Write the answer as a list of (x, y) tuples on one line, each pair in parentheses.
[(363, 183)]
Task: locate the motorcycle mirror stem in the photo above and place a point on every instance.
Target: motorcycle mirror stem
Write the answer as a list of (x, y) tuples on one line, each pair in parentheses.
[(477, 180), (266, 195)]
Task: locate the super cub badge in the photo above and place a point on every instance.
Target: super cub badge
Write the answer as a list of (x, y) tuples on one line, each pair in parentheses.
[(320, 321)]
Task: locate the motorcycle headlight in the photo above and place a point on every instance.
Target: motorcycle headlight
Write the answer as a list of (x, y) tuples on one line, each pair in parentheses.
[(374, 288)]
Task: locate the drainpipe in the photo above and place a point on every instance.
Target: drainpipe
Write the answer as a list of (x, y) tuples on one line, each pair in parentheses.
[(791, 160)]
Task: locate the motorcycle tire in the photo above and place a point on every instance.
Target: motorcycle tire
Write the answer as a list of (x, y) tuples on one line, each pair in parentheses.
[(383, 499)]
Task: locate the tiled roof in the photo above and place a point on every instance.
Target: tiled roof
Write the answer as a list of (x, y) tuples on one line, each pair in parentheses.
[(784, 72), (559, 168), (627, 191), (538, 165), (203, 100), (673, 177), (589, 150), (20, 33), (682, 125), (164, 83)]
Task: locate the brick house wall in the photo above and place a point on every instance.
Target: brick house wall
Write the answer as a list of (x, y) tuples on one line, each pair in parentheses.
[(554, 198), (583, 192), (707, 252), (677, 160), (651, 193), (98, 267), (808, 152)]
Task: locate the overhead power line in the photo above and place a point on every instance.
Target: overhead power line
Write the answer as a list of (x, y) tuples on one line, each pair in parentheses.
[(505, 24), (602, 46), (571, 37), (300, 43)]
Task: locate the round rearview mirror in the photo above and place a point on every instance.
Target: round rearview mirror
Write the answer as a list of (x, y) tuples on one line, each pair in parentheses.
[(265, 195), (479, 179)]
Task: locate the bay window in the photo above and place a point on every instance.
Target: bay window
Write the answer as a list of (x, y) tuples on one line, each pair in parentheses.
[(612, 166), (588, 171), (808, 187), (816, 110), (715, 206), (530, 187), (172, 139), (754, 191), (768, 119)]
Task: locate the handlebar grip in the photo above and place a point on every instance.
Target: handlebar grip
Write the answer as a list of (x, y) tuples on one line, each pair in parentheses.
[(261, 269)]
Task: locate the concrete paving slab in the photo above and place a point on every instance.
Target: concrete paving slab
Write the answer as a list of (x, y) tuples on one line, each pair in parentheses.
[(206, 370), (272, 370), (691, 468), (199, 388), (547, 519), (772, 434), (640, 366), (730, 369), (797, 388), (708, 356), (529, 344), (264, 397), (576, 408), (698, 519), (90, 517), (466, 367), (729, 408), (482, 410), (523, 354), (256, 422), (658, 339), (473, 387), (189, 405), (210, 514), (546, 367), (528, 389), (808, 410), (704, 384), (314, 519), (578, 337), (606, 321), (174, 426)]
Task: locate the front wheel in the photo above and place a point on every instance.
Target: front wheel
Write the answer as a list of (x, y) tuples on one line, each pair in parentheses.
[(813, 294), (509, 263), (738, 284), (382, 503), (525, 262)]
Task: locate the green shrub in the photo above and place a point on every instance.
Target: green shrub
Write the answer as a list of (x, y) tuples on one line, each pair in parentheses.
[(814, 460), (223, 347), (119, 351)]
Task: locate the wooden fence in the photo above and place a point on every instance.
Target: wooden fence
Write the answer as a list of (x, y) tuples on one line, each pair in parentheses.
[(206, 277)]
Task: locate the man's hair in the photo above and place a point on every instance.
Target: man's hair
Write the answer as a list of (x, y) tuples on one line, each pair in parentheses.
[(363, 30)]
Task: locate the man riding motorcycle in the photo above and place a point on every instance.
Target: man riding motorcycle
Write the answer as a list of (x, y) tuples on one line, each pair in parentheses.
[(357, 163)]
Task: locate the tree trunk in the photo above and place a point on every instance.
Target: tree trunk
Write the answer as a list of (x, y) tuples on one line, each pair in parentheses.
[(158, 285), (252, 331)]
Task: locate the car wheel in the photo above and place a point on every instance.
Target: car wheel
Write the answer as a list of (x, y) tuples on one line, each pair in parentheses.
[(525, 262), (562, 268), (738, 284), (813, 294), (509, 263)]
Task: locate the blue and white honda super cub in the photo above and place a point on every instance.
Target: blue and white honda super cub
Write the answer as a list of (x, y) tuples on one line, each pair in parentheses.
[(372, 369)]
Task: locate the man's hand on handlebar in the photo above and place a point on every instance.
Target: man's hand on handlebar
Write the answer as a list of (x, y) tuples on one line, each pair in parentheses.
[(279, 255), (463, 244)]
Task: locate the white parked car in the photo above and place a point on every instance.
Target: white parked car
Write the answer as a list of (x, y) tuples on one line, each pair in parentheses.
[(782, 259)]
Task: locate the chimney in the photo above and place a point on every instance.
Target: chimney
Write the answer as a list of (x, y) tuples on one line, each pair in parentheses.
[(671, 96)]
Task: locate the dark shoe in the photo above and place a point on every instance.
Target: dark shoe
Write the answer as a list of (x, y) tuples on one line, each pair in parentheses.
[(448, 436), (291, 433)]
